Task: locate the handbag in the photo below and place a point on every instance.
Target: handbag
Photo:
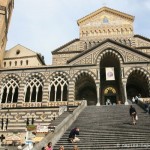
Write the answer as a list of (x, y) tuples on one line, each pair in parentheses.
[(136, 117)]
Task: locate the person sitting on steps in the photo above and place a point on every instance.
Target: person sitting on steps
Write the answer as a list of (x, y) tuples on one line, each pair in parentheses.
[(72, 135)]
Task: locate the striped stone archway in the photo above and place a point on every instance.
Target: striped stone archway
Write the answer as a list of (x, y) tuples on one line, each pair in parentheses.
[(110, 58), (85, 86), (138, 82)]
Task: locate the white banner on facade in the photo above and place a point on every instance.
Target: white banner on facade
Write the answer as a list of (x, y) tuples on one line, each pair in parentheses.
[(110, 73)]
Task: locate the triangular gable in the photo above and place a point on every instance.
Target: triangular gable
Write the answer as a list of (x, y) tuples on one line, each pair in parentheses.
[(104, 11), (128, 54), (64, 47), (141, 41), (19, 51)]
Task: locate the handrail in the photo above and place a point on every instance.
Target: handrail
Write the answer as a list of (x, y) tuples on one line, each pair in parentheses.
[(61, 128)]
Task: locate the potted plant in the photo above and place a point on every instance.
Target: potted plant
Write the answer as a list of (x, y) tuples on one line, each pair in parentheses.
[(31, 127)]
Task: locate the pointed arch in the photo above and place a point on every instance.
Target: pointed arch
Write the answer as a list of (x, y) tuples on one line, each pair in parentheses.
[(10, 88), (34, 87), (58, 86)]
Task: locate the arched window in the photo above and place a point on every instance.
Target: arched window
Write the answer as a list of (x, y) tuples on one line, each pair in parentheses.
[(21, 62), (58, 88), (9, 91), (34, 89), (4, 64), (105, 20), (85, 45), (10, 63), (15, 63), (27, 62)]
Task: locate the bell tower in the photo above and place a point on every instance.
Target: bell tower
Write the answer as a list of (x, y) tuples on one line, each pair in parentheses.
[(6, 8)]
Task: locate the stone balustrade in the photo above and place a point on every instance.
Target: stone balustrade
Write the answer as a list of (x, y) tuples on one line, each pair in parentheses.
[(39, 104), (8, 105), (145, 100)]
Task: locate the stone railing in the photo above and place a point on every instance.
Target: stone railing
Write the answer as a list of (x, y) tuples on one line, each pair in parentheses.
[(8, 105), (143, 102), (32, 104), (39, 104), (61, 128)]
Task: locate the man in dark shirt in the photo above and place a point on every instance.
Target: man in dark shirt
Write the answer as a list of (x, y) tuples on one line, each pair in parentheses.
[(72, 135), (133, 114)]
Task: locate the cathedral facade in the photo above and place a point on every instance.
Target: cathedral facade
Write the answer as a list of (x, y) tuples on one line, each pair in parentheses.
[(107, 61)]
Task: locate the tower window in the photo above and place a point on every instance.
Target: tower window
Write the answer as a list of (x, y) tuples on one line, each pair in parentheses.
[(21, 62), (27, 62), (4, 64), (15, 63), (10, 63), (18, 52)]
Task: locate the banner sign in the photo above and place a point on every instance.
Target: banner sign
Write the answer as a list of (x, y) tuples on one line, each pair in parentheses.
[(110, 73)]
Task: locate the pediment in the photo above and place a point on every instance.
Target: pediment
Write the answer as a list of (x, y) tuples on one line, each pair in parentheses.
[(125, 53), (19, 51), (68, 47), (105, 17), (141, 41)]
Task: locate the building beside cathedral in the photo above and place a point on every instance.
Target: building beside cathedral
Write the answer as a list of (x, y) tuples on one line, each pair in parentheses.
[(107, 62)]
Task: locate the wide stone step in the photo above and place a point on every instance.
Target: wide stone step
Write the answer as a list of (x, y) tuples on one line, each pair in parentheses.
[(109, 127)]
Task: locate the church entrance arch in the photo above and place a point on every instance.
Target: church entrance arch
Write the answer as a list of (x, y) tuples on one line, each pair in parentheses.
[(137, 84), (110, 78), (85, 88)]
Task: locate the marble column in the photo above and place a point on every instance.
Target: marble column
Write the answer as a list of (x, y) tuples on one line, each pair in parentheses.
[(98, 94), (125, 93)]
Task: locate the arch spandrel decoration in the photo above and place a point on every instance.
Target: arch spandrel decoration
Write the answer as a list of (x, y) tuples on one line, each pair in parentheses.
[(94, 56), (10, 88), (34, 84), (58, 86)]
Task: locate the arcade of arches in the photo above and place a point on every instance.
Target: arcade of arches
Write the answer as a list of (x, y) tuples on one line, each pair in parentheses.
[(59, 86)]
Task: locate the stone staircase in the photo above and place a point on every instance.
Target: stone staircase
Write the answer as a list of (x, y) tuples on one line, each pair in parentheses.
[(109, 127)]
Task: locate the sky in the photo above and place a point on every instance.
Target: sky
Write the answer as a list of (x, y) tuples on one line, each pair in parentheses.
[(44, 25)]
